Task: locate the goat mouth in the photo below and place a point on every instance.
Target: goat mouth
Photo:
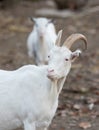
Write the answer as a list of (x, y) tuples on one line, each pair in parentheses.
[(52, 77), (41, 36)]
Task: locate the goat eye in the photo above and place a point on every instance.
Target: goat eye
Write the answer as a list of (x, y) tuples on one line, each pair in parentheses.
[(66, 59), (48, 56)]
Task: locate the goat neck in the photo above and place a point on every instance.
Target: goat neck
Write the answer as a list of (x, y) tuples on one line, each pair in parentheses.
[(54, 91), (56, 87), (42, 47)]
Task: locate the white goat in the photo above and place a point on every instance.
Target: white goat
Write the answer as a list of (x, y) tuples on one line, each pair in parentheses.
[(41, 40), (29, 95)]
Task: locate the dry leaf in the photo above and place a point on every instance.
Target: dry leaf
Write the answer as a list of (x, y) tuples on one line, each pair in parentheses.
[(74, 66), (91, 106), (16, 28), (84, 89), (95, 69), (77, 106), (85, 125), (63, 113)]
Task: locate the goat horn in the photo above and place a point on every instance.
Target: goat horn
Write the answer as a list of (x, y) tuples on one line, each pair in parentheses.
[(58, 39), (33, 19), (73, 38)]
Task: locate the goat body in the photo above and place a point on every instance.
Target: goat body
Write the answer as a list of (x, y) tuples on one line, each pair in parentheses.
[(26, 97), (29, 95), (41, 40)]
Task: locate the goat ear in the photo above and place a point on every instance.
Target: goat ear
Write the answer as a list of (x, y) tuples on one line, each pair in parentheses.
[(33, 19), (51, 21), (75, 54), (58, 39)]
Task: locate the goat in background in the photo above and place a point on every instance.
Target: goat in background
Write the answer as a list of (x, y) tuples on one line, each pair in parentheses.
[(41, 40)]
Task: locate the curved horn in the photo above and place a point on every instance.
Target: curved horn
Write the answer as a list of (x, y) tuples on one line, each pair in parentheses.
[(58, 39), (73, 38)]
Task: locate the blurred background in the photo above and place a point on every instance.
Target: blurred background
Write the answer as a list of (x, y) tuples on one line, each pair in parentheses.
[(79, 101)]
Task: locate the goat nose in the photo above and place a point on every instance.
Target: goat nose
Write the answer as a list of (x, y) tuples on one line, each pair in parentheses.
[(42, 33), (50, 70)]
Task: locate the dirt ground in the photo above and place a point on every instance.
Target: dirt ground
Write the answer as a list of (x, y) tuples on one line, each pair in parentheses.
[(79, 100)]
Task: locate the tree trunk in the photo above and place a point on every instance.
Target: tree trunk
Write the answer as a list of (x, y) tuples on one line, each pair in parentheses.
[(72, 4)]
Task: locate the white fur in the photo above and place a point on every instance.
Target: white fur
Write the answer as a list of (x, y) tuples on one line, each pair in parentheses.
[(41, 40), (29, 95), (28, 98)]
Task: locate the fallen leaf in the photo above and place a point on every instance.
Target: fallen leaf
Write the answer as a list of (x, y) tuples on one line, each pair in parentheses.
[(84, 89), (77, 106), (63, 113), (84, 125), (95, 69), (91, 106), (16, 28), (76, 66)]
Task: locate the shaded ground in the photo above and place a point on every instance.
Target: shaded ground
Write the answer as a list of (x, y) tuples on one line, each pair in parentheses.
[(79, 100)]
